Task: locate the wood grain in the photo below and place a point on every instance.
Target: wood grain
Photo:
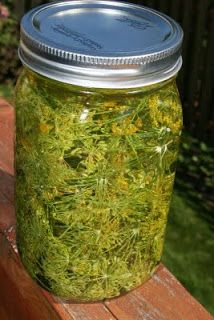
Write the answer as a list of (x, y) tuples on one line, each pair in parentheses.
[(81, 311), (160, 298), (7, 216), (6, 137), (20, 297)]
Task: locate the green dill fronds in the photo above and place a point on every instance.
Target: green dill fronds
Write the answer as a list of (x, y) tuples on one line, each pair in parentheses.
[(95, 173)]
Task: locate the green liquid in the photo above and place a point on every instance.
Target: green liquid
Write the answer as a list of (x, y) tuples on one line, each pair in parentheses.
[(95, 171)]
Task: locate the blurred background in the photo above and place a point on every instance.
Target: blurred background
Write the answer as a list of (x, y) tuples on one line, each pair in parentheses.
[(189, 246)]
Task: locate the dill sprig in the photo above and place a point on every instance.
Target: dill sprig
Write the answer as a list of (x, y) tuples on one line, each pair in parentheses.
[(94, 176)]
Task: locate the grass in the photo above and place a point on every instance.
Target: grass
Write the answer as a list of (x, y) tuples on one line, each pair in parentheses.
[(189, 247)]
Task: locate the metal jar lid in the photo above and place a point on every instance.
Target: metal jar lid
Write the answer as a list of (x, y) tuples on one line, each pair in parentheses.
[(101, 44)]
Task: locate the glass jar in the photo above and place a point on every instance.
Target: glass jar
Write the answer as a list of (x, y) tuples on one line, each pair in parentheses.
[(95, 161)]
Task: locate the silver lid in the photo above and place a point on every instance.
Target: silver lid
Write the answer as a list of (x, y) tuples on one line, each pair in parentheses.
[(102, 44)]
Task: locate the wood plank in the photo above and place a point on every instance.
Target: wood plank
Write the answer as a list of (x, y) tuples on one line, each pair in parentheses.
[(35, 3), (206, 102), (81, 311), (6, 137), (19, 8), (3, 314), (7, 215), (195, 62), (163, 6), (20, 297), (175, 9), (187, 23), (27, 5), (160, 298), (149, 3)]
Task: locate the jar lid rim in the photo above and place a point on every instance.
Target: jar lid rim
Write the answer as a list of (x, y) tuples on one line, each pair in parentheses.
[(105, 44)]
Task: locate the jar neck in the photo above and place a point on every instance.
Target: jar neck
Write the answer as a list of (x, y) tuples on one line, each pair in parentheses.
[(70, 87)]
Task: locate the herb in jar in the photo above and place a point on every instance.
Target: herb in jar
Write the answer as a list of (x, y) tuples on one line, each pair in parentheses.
[(95, 170)]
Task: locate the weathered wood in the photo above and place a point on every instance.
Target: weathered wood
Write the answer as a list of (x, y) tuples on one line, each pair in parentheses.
[(7, 137), (19, 295), (7, 217), (28, 300), (81, 311), (160, 298)]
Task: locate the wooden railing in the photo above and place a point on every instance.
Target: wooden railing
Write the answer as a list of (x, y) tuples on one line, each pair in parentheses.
[(195, 79)]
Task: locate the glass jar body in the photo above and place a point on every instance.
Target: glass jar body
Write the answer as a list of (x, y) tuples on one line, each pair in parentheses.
[(94, 177)]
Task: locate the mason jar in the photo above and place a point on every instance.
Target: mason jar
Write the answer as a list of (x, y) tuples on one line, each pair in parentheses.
[(98, 122)]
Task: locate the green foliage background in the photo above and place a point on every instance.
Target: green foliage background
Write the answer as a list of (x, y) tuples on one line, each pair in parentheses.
[(9, 63), (189, 246)]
